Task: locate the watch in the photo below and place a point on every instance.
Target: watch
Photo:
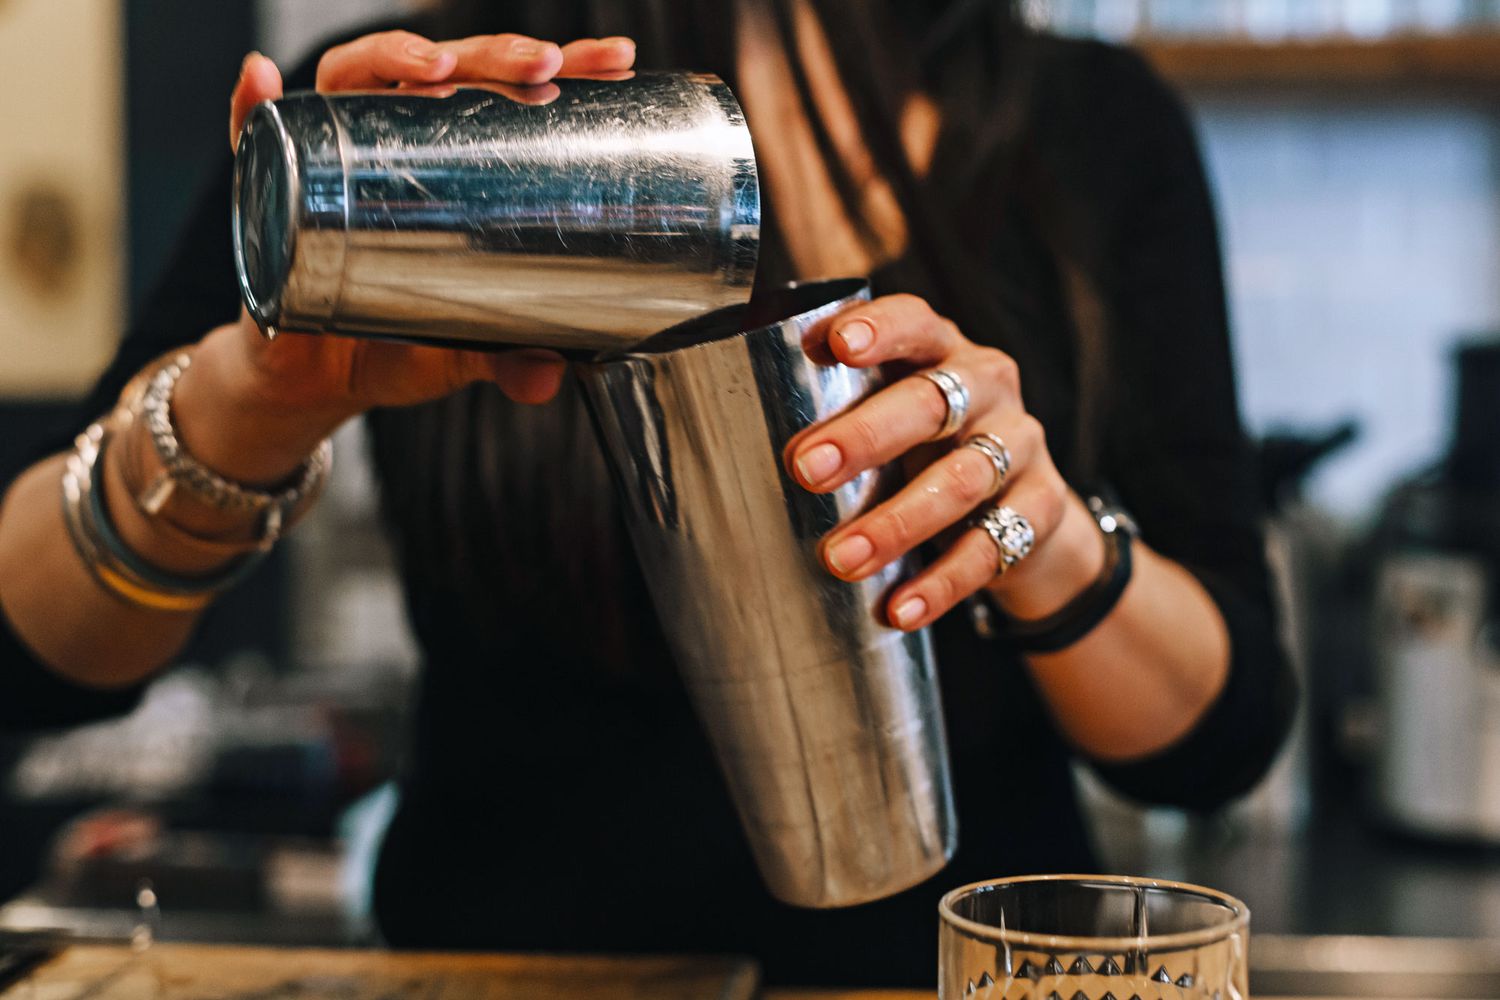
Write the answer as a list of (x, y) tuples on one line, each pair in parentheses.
[(1083, 613)]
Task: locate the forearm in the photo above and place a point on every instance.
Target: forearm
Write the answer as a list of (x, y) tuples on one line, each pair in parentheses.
[(78, 629), (1143, 677)]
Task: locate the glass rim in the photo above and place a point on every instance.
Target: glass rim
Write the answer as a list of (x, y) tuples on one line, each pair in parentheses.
[(1237, 920)]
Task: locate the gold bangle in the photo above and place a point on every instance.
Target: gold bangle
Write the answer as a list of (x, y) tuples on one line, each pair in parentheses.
[(113, 566)]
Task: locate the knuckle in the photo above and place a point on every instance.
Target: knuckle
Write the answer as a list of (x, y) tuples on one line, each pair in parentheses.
[(328, 65), (387, 44), (1034, 443), (893, 530), (947, 590), (1049, 510), (967, 480), (1034, 433), (934, 403), (1001, 368), (984, 560), (865, 435)]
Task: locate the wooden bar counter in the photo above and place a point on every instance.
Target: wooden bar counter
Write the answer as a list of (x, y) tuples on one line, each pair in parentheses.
[(205, 972), (208, 972)]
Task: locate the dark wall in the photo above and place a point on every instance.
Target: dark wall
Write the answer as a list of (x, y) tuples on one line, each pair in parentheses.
[(182, 58)]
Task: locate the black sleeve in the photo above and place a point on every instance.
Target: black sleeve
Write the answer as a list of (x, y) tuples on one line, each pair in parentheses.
[(1174, 450), (32, 697)]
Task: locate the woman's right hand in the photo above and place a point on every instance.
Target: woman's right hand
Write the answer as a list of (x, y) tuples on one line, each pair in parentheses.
[(275, 400)]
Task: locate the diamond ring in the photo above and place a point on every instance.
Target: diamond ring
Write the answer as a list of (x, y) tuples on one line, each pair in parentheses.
[(1012, 534)]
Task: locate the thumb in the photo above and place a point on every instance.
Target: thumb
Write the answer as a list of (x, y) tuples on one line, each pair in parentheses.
[(259, 81)]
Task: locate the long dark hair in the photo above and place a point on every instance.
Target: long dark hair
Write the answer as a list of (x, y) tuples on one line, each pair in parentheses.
[(521, 515)]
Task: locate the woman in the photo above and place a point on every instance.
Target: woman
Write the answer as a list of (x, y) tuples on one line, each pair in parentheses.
[(1034, 215)]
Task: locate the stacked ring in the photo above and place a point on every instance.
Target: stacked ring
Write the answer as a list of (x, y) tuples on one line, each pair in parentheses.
[(955, 394), (1012, 534), (992, 446)]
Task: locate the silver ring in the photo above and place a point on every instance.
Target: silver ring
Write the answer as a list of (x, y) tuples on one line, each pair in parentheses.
[(1012, 534), (955, 394), (992, 446)]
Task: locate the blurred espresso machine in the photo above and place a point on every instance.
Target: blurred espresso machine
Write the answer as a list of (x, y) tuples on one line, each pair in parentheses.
[(1436, 624)]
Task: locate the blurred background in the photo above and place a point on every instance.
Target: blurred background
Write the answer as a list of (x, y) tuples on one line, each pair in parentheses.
[(1354, 152)]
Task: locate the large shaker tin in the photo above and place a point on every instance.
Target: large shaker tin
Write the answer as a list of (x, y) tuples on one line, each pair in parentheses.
[(827, 722), (588, 216)]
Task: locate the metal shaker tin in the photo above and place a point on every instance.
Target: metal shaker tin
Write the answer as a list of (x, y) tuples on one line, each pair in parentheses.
[(588, 214), (826, 721)]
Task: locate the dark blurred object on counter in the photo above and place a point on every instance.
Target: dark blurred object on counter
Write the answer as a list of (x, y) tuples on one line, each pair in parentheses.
[(1288, 458)]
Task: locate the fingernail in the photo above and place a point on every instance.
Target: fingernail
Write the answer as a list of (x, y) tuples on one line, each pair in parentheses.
[(529, 50), (857, 336), (910, 611), (818, 464), (426, 51), (245, 62), (849, 554)]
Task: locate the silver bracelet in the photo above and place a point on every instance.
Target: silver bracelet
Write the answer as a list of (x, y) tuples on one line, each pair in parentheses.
[(180, 469), (110, 561)]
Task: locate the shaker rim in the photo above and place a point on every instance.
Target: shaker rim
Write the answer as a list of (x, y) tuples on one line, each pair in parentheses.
[(266, 307)]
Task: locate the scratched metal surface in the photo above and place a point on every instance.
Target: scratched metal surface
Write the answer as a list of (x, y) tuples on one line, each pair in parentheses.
[(826, 721), (586, 214)]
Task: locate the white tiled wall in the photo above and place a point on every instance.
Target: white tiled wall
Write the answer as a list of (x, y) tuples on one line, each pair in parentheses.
[(1362, 240)]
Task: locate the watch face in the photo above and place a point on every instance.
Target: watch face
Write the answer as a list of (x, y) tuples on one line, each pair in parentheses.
[(1111, 517)]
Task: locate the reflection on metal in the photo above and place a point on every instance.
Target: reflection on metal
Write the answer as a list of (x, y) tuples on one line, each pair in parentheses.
[(826, 722), (586, 214), (42, 239)]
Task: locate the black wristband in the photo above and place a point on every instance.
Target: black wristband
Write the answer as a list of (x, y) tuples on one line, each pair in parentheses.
[(1081, 615)]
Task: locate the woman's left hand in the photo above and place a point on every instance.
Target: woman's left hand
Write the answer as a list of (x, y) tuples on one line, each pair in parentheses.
[(956, 482)]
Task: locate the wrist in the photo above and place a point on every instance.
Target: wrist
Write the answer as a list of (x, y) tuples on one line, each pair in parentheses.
[(232, 425), (1061, 567), (145, 535)]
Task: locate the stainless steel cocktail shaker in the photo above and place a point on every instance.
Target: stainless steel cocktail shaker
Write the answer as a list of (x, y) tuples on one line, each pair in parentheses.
[(826, 722), (591, 222), (492, 215)]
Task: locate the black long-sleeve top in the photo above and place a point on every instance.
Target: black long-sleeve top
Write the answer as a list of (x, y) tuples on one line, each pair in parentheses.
[(552, 805)]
